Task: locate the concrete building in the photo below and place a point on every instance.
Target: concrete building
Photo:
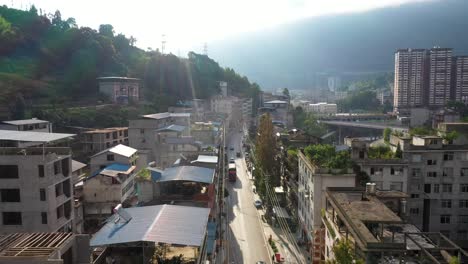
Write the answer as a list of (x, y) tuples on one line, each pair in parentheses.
[(33, 124), (44, 248), (374, 223), (410, 76), (322, 108), (279, 112), (118, 154), (334, 83), (247, 110), (440, 71), (461, 78), (205, 132), (36, 182), (120, 90), (312, 183), (102, 191), (100, 139)]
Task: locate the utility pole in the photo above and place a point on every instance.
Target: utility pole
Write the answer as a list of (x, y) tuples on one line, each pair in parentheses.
[(205, 49), (163, 43)]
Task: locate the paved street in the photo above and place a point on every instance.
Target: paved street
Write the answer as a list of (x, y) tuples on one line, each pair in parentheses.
[(246, 239)]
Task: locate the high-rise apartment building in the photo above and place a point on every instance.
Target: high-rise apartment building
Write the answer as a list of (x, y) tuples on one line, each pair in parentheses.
[(410, 72), (461, 78), (440, 69)]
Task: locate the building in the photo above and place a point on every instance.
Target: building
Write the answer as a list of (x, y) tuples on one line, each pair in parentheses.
[(120, 90), (461, 78), (312, 183), (374, 222), (78, 175), (36, 182), (33, 124), (440, 71), (410, 78), (385, 97), (247, 110), (44, 248), (205, 132), (102, 191), (100, 139), (322, 108), (279, 112), (131, 234), (119, 154)]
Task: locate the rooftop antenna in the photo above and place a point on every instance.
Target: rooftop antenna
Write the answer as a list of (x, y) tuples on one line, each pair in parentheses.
[(205, 49), (163, 43)]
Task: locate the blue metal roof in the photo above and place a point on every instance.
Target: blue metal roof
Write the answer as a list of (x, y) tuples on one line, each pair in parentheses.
[(187, 173), (211, 237), (170, 224), (114, 167)]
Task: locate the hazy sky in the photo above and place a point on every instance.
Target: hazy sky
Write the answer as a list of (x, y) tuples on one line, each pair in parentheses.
[(187, 24)]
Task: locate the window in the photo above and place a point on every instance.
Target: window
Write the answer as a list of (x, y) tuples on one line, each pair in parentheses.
[(431, 174), (108, 145), (57, 167), (392, 171), (447, 188), (433, 142), (446, 203), (447, 172), (60, 212), (445, 219), (40, 169), (44, 218), (427, 188), (58, 190), (12, 218), (107, 135), (372, 171), (416, 172), (414, 211), (436, 188), (464, 188), (110, 157), (142, 131), (42, 194), (431, 162), (9, 172), (448, 156), (414, 195), (416, 158), (10, 195), (463, 219), (463, 204), (464, 172)]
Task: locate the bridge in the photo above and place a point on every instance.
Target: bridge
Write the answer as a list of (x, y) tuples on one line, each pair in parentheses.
[(377, 126)]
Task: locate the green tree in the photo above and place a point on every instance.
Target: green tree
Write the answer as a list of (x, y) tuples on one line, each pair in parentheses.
[(398, 152), (386, 134), (312, 127), (106, 30), (19, 110), (265, 148), (286, 92), (344, 253)]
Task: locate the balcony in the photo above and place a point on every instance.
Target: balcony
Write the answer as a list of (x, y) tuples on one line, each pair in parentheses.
[(34, 151)]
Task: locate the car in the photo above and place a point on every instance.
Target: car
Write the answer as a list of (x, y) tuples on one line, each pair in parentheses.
[(231, 148), (258, 204), (231, 160), (260, 262)]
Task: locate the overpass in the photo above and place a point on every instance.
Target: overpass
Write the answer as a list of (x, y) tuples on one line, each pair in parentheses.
[(377, 126)]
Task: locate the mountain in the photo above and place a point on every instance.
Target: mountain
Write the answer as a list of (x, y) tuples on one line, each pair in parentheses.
[(289, 55)]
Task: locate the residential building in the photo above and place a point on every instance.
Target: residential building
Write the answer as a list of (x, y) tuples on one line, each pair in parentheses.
[(102, 191), (279, 112), (374, 223), (312, 183), (440, 71), (247, 110), (461, 79), (36, 182), (44, 248), (205, 132), (122, 90), (119, 154), (97, 140), (131, 234), (385, 97), (322, 108), (334, 83), (410, 77), (79, 171), (33, 124)]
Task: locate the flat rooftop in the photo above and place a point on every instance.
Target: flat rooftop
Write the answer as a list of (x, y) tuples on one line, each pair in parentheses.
[(166, 115), (105, 130), (32, 245), (24, 122), (29, 136)]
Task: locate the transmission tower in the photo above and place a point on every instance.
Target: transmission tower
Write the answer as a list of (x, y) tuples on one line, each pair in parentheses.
[(205, 49), (163, 43)]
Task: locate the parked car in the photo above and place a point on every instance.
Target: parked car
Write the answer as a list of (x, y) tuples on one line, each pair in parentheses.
[(231, 148), (231, 160), (238, 154), (258, 204)]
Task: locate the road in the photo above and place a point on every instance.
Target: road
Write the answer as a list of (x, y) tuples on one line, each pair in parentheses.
[(246, 241)]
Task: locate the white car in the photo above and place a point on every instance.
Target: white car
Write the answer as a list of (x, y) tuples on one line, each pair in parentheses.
[(258, 204)]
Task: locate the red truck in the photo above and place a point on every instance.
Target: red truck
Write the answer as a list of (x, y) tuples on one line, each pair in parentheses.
[(232, 172)]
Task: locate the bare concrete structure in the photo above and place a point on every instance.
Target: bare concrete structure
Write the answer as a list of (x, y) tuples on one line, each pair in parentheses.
[(119, 154), (100, 139), (33, 124), (120, 89)]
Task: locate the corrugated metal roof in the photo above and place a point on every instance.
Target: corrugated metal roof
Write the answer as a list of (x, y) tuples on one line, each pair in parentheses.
[(276, 102), (76, 165), (24, 122), (206, 159), (28, 136), (187, 173), (170, 224), (166, 115), (176, 128), (120, 150)]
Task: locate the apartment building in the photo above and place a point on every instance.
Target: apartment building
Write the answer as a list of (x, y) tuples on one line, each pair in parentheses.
[(410, 77), (119, 154), (440, 71), (312, 183), (33, 124), (461, 78), (322, 108), (100, 139), (35, 182), (121, 90)]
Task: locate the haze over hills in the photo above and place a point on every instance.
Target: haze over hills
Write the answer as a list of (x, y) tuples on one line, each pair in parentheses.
[(290, 55)]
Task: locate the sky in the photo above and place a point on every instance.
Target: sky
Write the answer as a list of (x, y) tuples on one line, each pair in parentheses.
[(189, 24)]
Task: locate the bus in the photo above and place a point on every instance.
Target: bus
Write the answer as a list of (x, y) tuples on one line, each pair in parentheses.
[(232, 172)]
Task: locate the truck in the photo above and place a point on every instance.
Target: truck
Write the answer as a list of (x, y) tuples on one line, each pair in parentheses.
[(232, 175)]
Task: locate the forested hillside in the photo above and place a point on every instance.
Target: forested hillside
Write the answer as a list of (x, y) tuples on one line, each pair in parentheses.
[(50, 60)]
